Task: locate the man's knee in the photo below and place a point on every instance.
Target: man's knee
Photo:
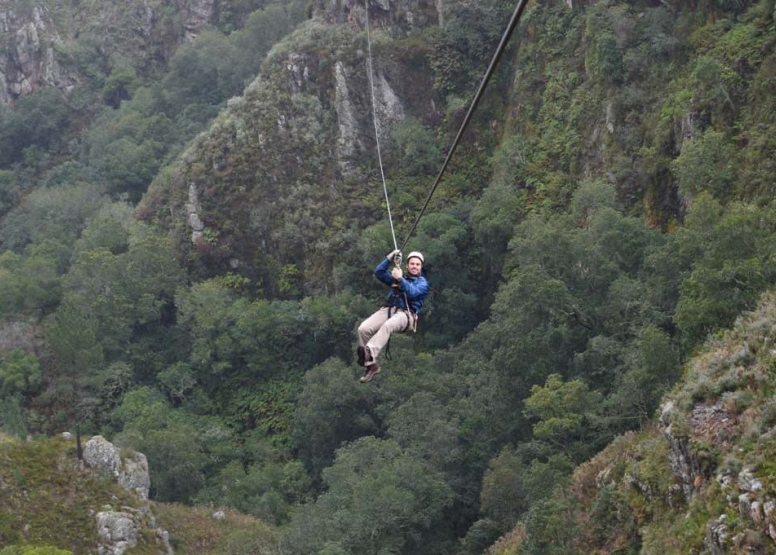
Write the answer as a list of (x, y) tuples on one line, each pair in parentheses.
[(366, 331)]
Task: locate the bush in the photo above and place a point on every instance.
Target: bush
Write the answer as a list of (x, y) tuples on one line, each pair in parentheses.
[(39, 120), (119, 86)]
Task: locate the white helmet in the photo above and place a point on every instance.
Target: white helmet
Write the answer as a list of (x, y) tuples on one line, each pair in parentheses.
[(416, 254)]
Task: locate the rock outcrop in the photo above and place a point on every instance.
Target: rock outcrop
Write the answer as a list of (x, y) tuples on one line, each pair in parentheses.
[(50, 45), (131, 471), (700, 480), (719, 429), (120, 528), (196, 14), (31, 63)]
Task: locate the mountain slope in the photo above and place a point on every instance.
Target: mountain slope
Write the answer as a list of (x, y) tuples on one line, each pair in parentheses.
[(700, 480), (289, 168)]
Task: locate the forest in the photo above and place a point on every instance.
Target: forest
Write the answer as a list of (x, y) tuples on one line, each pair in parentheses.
[(188, 235)]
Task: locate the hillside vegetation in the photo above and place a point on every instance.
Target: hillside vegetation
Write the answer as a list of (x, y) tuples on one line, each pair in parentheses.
[(186, 250), (50, 499), (700, 480)]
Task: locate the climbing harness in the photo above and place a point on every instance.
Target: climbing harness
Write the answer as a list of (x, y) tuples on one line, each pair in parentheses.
[(412, 317)]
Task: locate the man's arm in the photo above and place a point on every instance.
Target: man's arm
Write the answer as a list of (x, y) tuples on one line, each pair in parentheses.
[(415, 289), (383, 272)]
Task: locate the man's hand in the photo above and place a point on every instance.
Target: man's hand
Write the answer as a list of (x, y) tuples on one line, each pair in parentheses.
[(396, 273), (392, 254)]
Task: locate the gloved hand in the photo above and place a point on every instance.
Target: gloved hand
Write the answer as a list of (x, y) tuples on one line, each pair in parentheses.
[(396, 273), (392, 255)]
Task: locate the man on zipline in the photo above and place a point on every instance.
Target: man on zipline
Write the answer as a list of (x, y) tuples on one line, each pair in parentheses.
[(399, 313)]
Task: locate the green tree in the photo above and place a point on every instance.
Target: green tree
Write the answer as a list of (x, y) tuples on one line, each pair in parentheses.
[(129, 167), (128, 146), (174, 442), (19, 373), (10, 190), (609, 58), (550, 526), (177, 461), (126, 291), (567, 417), (178, 381), (425, 428), (651, 366), (265, 490), (707, 162), (734, 263), (39, 120), (416, 148), (119, 86), (470, 35), (503, 497), (331, 410), (715, 89), (206, 71), (58, 215), (12, 416), (30, 283), (378, 499), (73, 388), (143, 410), (451, 308), (503, 203), (109, 228)]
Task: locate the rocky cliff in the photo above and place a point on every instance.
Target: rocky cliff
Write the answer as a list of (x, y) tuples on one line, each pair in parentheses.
[(31, 62), (296, 152), (66, 46)]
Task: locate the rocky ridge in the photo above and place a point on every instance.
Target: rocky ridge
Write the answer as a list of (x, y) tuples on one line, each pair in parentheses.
[(721, 433)]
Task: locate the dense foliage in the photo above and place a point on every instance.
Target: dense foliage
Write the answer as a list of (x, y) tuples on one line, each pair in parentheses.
[(632, 498), (610, 207)]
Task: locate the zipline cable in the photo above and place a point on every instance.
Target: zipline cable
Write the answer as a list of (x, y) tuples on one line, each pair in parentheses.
[(374, 119), (499, 51)]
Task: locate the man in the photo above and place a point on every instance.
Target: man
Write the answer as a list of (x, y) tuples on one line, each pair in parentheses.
[(399, 313)]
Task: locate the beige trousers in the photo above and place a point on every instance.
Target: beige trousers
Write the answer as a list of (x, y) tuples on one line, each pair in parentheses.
[(375, 331)]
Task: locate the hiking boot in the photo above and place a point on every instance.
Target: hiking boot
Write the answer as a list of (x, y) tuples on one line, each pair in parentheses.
[(361, 354), (371, 372)]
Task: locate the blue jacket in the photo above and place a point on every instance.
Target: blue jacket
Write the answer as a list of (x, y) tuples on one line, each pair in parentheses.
[(416, 288)]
